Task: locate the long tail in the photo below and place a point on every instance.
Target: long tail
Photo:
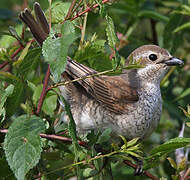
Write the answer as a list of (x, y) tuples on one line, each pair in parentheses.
[(40, 29)]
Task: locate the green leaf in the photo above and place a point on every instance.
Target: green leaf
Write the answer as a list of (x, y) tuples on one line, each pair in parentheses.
[(55, 50), (89, 172), (169, 36), (171, 145), (4, 95), (16, 97), (93, 55), (183, 94), (172, 163), (154, 15), (30, 62), (105, 136), (50, 102), (72, 129), (132, 142), (182, 27), (58, 11), (8, 77), (110, 32), (23, 144)]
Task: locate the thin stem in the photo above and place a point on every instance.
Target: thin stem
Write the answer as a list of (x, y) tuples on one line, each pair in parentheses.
[(91, 75), (83, 30), (88, 9), (44, 91)]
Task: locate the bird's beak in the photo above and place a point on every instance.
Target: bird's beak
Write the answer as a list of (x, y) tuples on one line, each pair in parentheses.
[(173, 62)]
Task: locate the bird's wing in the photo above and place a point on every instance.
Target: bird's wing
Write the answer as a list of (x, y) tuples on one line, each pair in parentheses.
[(112, 92)]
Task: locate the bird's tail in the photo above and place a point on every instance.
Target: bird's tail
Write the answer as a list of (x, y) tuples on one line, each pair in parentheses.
[(39, 27)]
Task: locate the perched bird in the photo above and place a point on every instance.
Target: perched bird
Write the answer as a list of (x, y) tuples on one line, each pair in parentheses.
[(130, 103)]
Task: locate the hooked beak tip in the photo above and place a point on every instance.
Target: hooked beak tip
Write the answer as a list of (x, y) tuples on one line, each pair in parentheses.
[(174, 62)]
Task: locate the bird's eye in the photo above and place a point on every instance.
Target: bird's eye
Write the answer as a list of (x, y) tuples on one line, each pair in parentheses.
[(153, 57)]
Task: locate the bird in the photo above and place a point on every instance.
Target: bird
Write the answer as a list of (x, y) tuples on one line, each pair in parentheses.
[(129, 103)]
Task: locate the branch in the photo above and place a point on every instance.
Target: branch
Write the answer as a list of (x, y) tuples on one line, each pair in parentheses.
[(53, 137), (93, 75), (88, 9), (44, 91)]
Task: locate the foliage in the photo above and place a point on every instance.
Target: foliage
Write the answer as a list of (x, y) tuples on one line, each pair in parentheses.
[(101, 39)]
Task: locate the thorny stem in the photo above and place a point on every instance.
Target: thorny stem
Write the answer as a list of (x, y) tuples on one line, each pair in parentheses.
[(88, 9)]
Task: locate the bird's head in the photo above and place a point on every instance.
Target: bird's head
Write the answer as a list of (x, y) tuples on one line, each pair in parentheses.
[(156, 62)]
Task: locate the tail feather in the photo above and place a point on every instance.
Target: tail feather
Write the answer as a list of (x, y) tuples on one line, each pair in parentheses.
[(40, 17), (37, 30), (40, 30)]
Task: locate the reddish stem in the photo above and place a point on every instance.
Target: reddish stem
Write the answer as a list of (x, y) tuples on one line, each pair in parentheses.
[(44, 91), (88, 9), (53, 137)]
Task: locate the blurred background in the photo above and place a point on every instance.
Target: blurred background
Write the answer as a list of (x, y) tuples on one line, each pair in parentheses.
[(137, 22)]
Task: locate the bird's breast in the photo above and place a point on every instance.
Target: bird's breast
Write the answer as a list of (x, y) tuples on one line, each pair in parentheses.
[(144, 115)]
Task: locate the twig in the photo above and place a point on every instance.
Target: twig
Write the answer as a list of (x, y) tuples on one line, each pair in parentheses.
[(44, 91), (146, 173), (88, 9), (92, 75), (70, 11), (53, 137)]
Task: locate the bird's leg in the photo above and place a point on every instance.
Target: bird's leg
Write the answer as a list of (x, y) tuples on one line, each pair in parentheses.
[(139, 169)]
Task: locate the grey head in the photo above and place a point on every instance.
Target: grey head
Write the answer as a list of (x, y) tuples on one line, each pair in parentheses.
[(156, 62)]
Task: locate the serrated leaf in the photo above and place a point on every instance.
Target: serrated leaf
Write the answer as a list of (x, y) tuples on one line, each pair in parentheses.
[(110, 32), (171, 145), (23, 144), (93, 55), (58, 11), (16, 97), (105, 136), (172, 162), (55, 51), (4, 95)]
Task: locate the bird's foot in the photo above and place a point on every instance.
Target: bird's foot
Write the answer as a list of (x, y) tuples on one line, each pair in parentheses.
[(139, 169)]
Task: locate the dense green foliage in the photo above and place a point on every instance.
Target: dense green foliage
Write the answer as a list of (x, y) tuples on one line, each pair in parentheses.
[(101, 39)]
